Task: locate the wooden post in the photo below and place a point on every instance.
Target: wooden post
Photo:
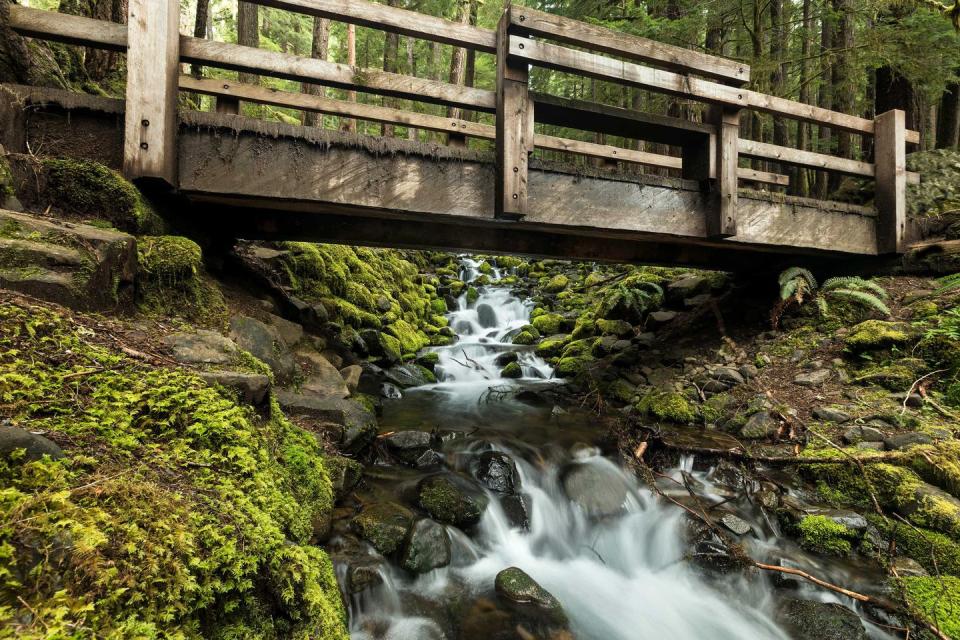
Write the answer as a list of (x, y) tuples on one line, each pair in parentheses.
[(890, 151), (514, 128), (153, 69), (722, 218), (228, 105)]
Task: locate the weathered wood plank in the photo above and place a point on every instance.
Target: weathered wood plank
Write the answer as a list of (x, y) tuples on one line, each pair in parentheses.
[(385, 18), (153, 66), (722, 217), (311, 70), (807, 159), (890, 149), (763, 177), (514, 128), (61, 27), (554, 27), (568, 60)]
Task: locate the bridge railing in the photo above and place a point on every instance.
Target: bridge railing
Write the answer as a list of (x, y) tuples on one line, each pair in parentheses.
[(525, 38)]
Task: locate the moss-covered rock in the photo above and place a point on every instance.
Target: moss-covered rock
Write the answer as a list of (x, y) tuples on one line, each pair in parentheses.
[(216, 527), (571, 366), (384, 525), (937, 599), (450, 500), (668, 405), (620, 328), (821, 534), (552, 346), (556, 284), (621, 391), (171, 281), (524, 338), (411, 339), (875, 334), (548, 324), (512, 370)]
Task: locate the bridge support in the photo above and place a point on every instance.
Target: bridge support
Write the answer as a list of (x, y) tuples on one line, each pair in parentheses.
[(722, 217), (514, 128), (890, 149), (153, 70)]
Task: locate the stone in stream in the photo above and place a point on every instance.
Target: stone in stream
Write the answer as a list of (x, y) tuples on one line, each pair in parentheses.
[(512, 371), (345, 474), (408, 446), (599, 489), (384, 525), (497, 472), (408, 375), (526, 597), (486, 316), (515, 508), (506, 358), (427, 547), (760, 425), (810, 620), (735, 524), (452, 500)]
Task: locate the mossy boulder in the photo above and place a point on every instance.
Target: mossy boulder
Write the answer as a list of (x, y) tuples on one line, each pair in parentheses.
[(668, 405), (411, 339), (512, 370), (619, 328), (872, 335), (552, 346), (524, 595), (936, 598), (171, 281), (621, 390), (548, 323), (556, 284), (821, 534), (384, 525), (524, 338), (452, 500), (571, 366)]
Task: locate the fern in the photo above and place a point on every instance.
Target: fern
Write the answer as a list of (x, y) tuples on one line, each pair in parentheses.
[(798, 272), (855, 283), (798, 284), (947, 284), (864, 298)]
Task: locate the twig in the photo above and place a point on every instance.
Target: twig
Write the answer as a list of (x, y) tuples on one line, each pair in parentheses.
[(906, 398), (826, 585), (863, 471)]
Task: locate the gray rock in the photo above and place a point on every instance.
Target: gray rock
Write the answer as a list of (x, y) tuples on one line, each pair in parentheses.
[(201, 347), (735, 524), (322, 378), (290, 332), (360, 425), (647, 339), (351, 377), (497, 472), (760, 425), (828, 414), (430, 458), (872, 446), (452, 500), (506, 358), (35, 445), (408, 446), (697, 301), (909, 568), (406, 376), (486, 316), (748, 371), (524, 595), (687, 287), (863, 433), (906, 440), (264, 342), (813, 378), (596, 486), (253, 388), (810, 620), (384, 525), (660, 318), (728, 375), (427, 547)]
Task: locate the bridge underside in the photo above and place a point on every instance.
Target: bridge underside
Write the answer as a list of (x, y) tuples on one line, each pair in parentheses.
[(275, 181)]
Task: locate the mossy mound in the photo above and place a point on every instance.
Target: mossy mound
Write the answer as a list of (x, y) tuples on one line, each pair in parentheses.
[(821, 534), (666, 405), (171, 281), (175, 513), (548, 323), (875, 334), (936, 599), (940, 191), (92, 191), (6, 181), (556, 284)]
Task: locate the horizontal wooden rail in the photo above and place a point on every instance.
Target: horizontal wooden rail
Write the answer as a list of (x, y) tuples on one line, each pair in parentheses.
[(62, 27), (559, 58), (538, 23), (384, 18), (387, 115), (812, 160)]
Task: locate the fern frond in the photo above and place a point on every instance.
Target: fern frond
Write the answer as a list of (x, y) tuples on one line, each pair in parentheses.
[(947, 284), (822, 305), (855, 283), (789, 289), (797, 272), (863, 298)]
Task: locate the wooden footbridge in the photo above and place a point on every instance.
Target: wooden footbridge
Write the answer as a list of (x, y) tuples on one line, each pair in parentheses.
[(257, 179)]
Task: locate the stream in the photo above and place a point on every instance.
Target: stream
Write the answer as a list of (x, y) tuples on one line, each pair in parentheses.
[(613, 553)]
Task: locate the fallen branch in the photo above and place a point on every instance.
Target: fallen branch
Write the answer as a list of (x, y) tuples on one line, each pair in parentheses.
[(906, 398), (826, 585)]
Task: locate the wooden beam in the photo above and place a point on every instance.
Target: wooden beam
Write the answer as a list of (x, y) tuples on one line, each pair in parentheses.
[(311, 70), (62, 27), (722, 217), (514, 128), (537, 23), (890, 149), (763, 177), (568, 60), (385, 18), (153, 67), (807, 159)]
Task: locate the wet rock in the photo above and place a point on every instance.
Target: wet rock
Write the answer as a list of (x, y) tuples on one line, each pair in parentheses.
[(201, 347), (906, 440), (524, 595), (512, 371), (828, 414), (452, 500), (497, 472), (383, 348), (384, 525), (486, 316), (264, 342), (430, 458), (35, 445), (351, 377), (660, 318), (360, 425), (810, 620), (735, 524), (761, 424), (515, 508), (596, 487), (709, 551), (813, 378), (322, 378), (345, 474), (408, 446), (252, 388), (909, 568), (408, 375), (427, 547), (506, 358)]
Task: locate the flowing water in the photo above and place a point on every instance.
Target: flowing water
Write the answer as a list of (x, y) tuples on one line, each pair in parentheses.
[(620, 577)]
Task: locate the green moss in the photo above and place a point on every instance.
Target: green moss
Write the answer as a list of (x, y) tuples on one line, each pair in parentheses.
[(553, 346), (621, 391), (615, 327), (823, 535), (670, 406), (171, 281), (512, 370), (472, 294), (716, 408), (895, 377), (577, 348), (937, 599), (585, 327), (391, 347), (875, 334), (524, 338), (6, 181), (571, 366), (556, 284), (89, 189), (438, 306), (411, 339), (935, 551), (548, 324), (485, 268), (176, 510)]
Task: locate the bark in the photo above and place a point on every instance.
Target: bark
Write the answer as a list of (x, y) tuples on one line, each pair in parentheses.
[(349, 124), (412, 133), (458, 59), (200, 26), (248, 33), (95, 64), (391, 47), (844, 91), (319, 50), (800, 178), (825, 97), (778, 39), (948, 117)]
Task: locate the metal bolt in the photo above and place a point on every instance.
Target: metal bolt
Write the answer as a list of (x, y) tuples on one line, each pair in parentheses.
[(521, 45), (145, 122), (516, 169), (739, 96), (453, 124), (144, 146), (522, 18), (516, 197), (226, 86)]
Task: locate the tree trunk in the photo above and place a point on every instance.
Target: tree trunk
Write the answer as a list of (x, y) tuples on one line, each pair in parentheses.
[(391, 48), (319, 50), (200, 27), (412, 71), (948, 118), (800, 178), (825, 97), (459, 57), (95, 64), (349, 124), (248, 33), (778, 79), (844, 91)]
